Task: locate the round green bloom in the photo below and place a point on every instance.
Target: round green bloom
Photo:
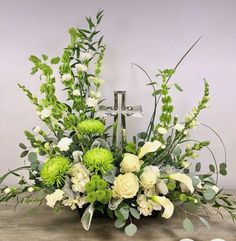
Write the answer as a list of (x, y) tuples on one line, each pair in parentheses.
[(54, 170), (91, 127), (95, 178), (90, 186), (91, 197), (101, 184), (98, 159), (101, 195)]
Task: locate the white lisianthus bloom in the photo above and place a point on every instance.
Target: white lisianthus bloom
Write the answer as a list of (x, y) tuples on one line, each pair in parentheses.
[(54, 197), (37, 129), (96, 95), (77, 155), (91, 102), (149, 176), (149, 147), (215, 189), (183, 178), (76, 92), (64, 144), (179, 127), (166, 203), (81, 67), (66, 77), (162, 130), (130, 163), (30, 189), (161, 187), (126, 186), (7, 190), (85, 56), (45, 113)]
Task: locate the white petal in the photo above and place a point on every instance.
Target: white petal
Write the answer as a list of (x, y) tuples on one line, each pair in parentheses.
[(149, 147), (183, 178), (166, 203)]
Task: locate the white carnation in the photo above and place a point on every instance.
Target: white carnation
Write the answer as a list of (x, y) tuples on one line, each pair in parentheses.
[(64, 144)]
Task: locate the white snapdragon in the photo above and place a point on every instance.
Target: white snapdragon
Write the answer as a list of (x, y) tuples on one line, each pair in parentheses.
[(64, 144), (45, 113), (66, 77), (73, 203), (179, 127), (80, 176), (85, 56), (54, 197), (81, 67), (37, 129), (91, 102), (162, 130), (76, 92), (77, 155), (191, 118)]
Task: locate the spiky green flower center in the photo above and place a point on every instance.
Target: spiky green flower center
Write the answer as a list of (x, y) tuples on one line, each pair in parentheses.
[(91, 127), (98, 159), (54, 170)]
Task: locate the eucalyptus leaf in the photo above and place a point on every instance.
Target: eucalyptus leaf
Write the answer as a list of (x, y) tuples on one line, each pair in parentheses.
[(209, 194), (119, 223), (178, 87), (177, 151), (198, 167), (205, 222), (188, 225), (125, 213), (131, 229), (22, 146), (24, 154), (212, 168), (55, 60), (135, 213), (32, 157)]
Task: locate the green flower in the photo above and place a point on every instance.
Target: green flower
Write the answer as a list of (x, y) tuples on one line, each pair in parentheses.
[(98, 159), (101, 184), (91, 127), (90, 186), (91, 197), (54, 170)]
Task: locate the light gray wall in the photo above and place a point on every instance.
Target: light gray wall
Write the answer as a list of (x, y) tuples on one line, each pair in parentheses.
[(153, 34)]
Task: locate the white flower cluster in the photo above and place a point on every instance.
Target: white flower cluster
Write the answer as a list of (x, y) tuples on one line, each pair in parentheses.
[(64, 144), (146, 206), (79, 177), (73, 203)]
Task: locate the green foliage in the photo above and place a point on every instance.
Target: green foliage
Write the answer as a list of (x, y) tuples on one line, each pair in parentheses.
[(188, 225)]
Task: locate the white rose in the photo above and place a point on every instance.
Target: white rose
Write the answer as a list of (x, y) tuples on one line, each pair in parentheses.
[(162, 130), (66, 77), (37, 129), (45, 113), (54, 197), (81, 67), (76, 92), (91, 102), (126, 186), (149, 176), (64, 144), (179, 127), (130, 163), (85, 56)]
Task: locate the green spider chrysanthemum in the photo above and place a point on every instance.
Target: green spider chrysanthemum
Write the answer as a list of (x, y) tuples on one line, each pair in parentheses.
[(98, 159), (54, 170), (91, 126)]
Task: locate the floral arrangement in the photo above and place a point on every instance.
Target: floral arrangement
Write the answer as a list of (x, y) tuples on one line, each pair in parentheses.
[(71, 162)]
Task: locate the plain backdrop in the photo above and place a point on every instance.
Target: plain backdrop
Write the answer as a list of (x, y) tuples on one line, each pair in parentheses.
[(154, 34)]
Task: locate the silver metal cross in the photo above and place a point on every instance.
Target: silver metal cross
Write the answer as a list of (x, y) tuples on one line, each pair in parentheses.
[(119, 112)]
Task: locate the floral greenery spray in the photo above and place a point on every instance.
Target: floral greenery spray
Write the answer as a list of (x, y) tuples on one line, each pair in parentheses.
[(72, 163)]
